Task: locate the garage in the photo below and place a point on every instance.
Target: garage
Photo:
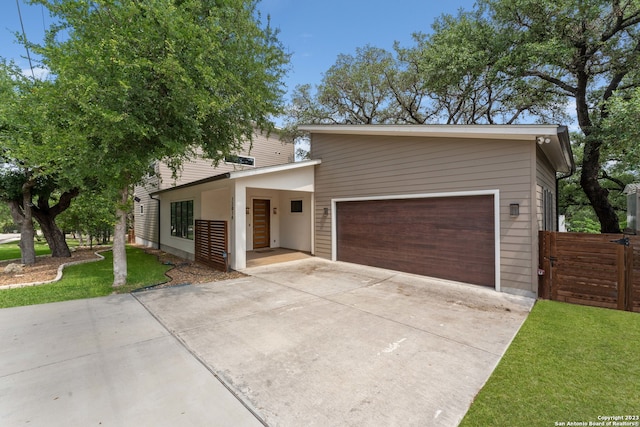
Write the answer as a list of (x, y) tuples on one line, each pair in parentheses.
[(445, 237)]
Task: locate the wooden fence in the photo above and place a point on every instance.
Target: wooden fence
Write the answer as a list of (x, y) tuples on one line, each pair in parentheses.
[(212, 244), (601, 270)]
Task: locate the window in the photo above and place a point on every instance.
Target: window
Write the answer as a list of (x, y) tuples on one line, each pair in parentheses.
[(296, 206), (240, 160), (182, 219)]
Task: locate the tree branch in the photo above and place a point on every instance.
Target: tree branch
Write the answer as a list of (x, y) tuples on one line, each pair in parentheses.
[(564, 86), (616, 181)]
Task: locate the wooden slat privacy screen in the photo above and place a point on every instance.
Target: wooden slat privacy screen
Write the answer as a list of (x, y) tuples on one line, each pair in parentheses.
[(211, 244), (590, 269)]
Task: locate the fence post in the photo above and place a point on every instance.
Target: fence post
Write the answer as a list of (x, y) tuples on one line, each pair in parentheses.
[(622, 276), (628, 266), (553, 284), (544, 282)]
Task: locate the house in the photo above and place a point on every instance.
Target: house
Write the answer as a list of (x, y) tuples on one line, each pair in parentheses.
[(264, 150), (456, 202)]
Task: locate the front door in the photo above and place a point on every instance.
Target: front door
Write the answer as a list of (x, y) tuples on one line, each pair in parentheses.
[(261, 223)]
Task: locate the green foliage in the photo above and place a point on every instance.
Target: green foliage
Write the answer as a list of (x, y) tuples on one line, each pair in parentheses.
[(6, 221), (354, 89), (507, 61), (567, 363), (136, 82), (616, 173), (90, 280), (92, 213), (143, 81)]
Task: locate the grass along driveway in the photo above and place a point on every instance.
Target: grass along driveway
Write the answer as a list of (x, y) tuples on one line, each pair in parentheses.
[(90, 280), (568, 364)]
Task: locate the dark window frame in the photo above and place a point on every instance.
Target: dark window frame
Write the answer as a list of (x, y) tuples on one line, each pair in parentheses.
[(296, 206), (182, 219)]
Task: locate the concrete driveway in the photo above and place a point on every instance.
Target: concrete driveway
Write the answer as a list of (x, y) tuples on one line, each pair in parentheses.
[(319, 343)]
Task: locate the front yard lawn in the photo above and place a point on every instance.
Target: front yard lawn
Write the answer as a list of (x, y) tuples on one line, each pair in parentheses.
[(11, 250), (90, 280), (569, 364)]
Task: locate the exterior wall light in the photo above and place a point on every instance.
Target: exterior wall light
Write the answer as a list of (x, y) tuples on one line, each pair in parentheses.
[(275, 211), (543, 140), (325, 212), (247, 210), (514, 209)]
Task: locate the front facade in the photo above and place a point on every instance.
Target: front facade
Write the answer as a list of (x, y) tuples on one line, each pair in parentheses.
[(463, 203), (456, 202), (265, 208), (263, 151)]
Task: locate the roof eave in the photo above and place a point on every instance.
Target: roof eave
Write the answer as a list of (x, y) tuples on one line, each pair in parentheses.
[(242, 174), (558, 149)]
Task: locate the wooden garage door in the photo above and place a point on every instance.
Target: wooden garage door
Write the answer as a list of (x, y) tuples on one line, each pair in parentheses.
[(446, 237)]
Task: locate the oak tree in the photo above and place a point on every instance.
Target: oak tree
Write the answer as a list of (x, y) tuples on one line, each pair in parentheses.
[(140, 81)]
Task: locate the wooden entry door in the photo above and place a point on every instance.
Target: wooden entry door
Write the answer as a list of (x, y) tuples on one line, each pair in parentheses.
[(261, 223)]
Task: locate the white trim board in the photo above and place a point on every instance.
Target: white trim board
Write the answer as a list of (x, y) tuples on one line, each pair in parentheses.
[(496, 217)]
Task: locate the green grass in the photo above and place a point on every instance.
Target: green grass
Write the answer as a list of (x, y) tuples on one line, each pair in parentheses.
[(11, 250), (568, 363), (90, 280)]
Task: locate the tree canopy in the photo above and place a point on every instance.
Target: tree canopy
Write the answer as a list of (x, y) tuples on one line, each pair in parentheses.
[(509, 61), (135, 82), (34, 177)]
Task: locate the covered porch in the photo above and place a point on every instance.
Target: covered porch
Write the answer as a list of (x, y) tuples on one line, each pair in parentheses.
[(259, 257), (259, 210)]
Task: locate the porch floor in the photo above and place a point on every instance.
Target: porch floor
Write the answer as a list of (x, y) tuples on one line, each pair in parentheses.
[(267, 256)]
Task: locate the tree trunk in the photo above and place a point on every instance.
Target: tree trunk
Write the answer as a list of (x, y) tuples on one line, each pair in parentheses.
[(54, 236), (119, 241), (46, 217), (21, 214), (591, 163), (598, 196)]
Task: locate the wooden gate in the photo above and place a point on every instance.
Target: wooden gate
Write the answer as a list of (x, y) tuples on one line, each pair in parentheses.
[(211, 244), (590, 269)]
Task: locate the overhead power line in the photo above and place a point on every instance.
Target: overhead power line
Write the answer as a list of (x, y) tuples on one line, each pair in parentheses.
[(24, 36)]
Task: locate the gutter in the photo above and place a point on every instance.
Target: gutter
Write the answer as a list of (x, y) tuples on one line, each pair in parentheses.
[(563, 136)]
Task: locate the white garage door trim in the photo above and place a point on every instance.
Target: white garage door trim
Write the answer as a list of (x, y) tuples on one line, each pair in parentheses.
[(496, 218)]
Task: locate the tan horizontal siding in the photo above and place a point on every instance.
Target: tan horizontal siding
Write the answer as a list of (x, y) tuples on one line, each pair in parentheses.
[(146, 223), (267, 151), (545, 180), (367, 166)]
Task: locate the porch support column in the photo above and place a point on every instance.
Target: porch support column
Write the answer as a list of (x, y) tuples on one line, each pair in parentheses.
[(238, 246)]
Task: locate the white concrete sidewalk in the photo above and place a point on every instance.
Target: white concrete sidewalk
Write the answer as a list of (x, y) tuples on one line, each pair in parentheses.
[(105, 361), (6, 238)]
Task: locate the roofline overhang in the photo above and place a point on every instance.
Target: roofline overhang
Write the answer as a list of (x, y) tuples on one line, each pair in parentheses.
[(243, 174), (557, 150)]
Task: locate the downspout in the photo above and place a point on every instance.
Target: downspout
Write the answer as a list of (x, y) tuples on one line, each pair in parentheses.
[(572, 170), (558, 198), (159, 230)]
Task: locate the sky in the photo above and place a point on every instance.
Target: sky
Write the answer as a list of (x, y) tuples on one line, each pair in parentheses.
[(313, 32)]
